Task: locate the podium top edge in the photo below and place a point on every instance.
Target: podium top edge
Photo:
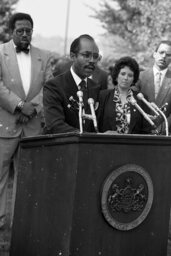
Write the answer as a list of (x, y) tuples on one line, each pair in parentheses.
[(68, 138)]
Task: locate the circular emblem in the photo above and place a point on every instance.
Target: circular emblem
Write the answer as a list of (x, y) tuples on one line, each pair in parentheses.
[(127, 197)]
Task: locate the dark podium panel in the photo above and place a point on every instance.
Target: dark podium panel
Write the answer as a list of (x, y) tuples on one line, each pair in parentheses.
[(91, 195)]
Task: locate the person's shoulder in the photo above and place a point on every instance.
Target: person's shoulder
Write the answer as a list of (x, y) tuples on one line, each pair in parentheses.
[(3, 46), (54, 86), (41, 52), (146, 72), (100, 75), (100, 70), (92, 83), (57, 79), (168, 73), (105, 93), (134, 92)]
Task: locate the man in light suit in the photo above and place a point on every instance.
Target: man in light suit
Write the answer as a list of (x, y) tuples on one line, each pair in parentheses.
[(60, 93), (158, 90), (23, 71)]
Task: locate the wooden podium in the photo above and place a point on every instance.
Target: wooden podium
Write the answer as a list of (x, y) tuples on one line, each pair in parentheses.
[(92, 195)]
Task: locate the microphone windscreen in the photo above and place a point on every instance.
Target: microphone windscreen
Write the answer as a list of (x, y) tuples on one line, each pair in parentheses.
[(140, 96), (133, 101), (80, 93), (90, 101)]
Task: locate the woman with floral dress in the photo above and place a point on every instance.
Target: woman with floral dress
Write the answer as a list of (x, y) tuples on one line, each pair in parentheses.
[(117, 112)]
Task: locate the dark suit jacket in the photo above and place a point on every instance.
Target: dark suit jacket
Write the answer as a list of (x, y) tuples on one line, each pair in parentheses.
[(146, 85), (100, 76), (107, 115), (61, 114)]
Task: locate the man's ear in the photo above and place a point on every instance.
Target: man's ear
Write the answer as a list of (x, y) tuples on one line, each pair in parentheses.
[(154, 54), (72, 56)]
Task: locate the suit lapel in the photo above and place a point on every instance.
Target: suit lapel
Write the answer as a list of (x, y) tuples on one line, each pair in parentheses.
[(133, 113), (151, 88), (70, 91), (12, 66), (36, 65), (70, 86), (165, 89)]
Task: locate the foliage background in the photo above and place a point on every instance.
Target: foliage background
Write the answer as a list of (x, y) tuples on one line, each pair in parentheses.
[(140, 24), (132, 27), (6, 9)]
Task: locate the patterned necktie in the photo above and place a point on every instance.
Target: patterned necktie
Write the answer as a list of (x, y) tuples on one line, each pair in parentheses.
[(82, 85), (157, 83)]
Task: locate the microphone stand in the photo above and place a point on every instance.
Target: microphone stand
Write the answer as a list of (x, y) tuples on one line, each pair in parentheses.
[(83, 115), (164, 117), (145, 115), (80, 104), (93, 115), (140, 96), (155, 109)]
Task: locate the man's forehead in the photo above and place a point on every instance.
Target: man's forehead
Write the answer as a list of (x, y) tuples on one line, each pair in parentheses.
[(164, 47), (23, 23), (88, 45)]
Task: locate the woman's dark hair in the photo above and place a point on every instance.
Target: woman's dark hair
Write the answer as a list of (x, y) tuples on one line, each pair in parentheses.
[(75, 46), (125, 62), (19, 16)]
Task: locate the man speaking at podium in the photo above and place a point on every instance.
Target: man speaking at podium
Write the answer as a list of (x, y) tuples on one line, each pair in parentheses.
[(60, 93)]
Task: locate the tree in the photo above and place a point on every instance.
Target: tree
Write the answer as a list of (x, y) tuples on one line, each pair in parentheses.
[(6, 9), (141, 23)]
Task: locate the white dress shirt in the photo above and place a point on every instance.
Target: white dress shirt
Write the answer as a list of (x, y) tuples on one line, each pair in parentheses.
[(24, 64), (77, 79), (163, 73), (156, 73)]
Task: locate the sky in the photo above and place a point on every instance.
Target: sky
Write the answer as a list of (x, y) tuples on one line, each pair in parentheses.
[(49, 17)]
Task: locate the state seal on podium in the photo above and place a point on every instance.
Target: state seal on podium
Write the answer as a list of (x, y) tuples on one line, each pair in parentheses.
[(127, 197)]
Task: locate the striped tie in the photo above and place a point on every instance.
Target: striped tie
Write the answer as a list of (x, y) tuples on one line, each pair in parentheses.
[(157, 83)]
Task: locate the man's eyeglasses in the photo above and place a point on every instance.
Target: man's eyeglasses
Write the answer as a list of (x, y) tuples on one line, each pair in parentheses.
[(89, 55), (20, 31)]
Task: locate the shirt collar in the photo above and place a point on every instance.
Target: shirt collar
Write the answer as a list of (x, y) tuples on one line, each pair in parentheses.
[(77, 79), (116, 97), (163, 72)]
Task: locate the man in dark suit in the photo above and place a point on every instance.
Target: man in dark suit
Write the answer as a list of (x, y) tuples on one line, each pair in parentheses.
[(23, 71), (60, 93), (100, 76), (155, 82)]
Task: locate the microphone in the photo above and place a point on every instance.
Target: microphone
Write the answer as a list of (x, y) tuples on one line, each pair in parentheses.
[(163, 115), (91, 103), (73, 103), (71, 98), (80, 96), (134, 103), (140, 96), (164, 107)]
